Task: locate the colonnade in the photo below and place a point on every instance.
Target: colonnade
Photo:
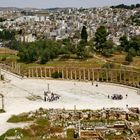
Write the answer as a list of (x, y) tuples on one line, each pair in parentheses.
[(126, 77), (15, 68), (2, 102)]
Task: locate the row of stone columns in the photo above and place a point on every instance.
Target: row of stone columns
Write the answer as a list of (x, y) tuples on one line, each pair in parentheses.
[(15, 68), (2, 102), (115, 76)]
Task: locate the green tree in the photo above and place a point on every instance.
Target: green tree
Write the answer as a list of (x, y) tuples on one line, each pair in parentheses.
[(124, 43), (45, 57), (100, 37), (132, 51), (107, 48), (82, 51), (84, 34), (135, 43)]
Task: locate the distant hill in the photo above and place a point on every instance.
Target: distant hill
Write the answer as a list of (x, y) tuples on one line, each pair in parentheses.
[(133, 6)]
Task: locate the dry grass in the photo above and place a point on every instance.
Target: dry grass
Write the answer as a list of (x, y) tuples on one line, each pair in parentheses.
[(7, 51)]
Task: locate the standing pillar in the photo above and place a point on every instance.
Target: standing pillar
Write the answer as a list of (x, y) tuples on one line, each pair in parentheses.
[(98, 75), (79, 70), (133, 78), (36, 72), (71, 74), (19, 69), (45, 72), (106, 75), (2, 102), (124, 78), (111, 77), (93, 75), (116, 76), (49, 72), (29, 73), (67, 74), (0, 73), (120, 76), (40, 72), (137, 79), (12, 66), (32, 71), (88, 74), (75, 74), (58, 71), (62, 73), (102, 75), (84, 74)]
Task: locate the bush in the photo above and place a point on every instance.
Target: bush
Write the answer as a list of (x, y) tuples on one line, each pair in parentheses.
[(129, 57), (108, 65), (70, 133), (133, 52), (56, 75), (3, 59), (16, 119)]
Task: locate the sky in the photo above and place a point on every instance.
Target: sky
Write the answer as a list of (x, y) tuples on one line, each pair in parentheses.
[(63, 3)]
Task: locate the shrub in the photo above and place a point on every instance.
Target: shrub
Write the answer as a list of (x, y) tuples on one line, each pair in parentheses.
[(56, 75), (129, 57)]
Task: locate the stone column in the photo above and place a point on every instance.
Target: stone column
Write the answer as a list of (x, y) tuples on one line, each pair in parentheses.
[(75, 74), (40, 72), (102, 75), (133, 78), (12, 66), (93, 76), (116, 72), (84, 74), (2, 102), (36, 72), (106, 75), (89, 75), (79, 70), (19, 72), (120, 76), (49, 72), (98, 75), (111, 76), (124, 77), (137, 79), (45, 72), (71, 77), (0, 73), (32, 71), (62, 70), (29, 73), (67, 74)]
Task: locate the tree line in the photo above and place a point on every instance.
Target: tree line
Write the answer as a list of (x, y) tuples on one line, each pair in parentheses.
[(42, 51), (123, 6)]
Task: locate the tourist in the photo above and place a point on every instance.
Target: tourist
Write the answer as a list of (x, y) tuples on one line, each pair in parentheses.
[(108, 96)]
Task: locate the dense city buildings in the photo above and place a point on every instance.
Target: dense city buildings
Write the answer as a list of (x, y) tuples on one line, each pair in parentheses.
[(61, 23)]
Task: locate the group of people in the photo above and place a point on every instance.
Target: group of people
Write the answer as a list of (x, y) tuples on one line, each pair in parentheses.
[(116, 97), (50, 96)]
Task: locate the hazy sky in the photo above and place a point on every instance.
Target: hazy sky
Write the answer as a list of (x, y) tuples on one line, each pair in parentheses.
[(63, 3)]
